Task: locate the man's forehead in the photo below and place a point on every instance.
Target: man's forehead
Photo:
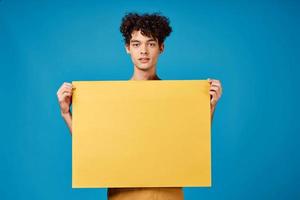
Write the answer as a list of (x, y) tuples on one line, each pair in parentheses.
[(138, 36)]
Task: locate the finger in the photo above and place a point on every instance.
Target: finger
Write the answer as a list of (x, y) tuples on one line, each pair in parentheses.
[(59, 90), (213, 98), (217, 93), (214, 88), (220, 88), (64, 89), (213, 94), (68, 84), (64, 85), (64, 95), (213, 80), (217, 90), (216, 83)]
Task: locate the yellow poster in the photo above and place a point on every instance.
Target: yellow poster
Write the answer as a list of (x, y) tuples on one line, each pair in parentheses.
[(141, 134)]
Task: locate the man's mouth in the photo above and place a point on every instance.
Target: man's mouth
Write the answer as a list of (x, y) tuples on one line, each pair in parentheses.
[(144, 60)]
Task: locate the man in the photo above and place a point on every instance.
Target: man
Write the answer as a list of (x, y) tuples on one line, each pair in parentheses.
[(144, 37)]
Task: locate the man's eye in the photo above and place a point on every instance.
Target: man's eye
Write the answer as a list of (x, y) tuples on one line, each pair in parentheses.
[(152, 44), (135, 45)]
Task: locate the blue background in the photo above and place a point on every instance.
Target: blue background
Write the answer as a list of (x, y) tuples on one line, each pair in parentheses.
[(252, 47)]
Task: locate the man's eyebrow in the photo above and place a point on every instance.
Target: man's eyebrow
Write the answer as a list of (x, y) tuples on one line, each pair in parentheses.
[(135, 41), (150, 40)]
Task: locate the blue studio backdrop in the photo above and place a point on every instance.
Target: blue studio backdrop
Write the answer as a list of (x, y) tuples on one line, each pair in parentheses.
[(252, 47)]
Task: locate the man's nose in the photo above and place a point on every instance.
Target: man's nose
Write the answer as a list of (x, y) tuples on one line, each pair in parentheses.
[(144, 49)]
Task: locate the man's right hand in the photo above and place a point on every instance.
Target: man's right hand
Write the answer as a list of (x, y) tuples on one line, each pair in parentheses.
[(64, 96)]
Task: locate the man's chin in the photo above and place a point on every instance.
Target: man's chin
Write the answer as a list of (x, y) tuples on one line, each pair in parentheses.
[(144, 68)]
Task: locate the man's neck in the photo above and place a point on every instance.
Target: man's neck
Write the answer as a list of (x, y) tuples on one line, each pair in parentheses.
[(144, 75)]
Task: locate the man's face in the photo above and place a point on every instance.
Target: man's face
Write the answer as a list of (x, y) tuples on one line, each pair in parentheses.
[(144, 51)]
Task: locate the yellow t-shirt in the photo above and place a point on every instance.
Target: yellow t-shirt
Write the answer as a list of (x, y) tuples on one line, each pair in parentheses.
[(150, 193)]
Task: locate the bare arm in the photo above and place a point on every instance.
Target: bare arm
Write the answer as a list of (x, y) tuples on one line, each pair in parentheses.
[(212, 110), (68, 119)]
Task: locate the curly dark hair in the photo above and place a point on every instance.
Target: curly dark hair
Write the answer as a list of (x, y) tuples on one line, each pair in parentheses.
[(151, 25)]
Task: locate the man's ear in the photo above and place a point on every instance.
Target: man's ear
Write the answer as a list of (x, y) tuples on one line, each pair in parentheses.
[(127, 47), (162, 47)]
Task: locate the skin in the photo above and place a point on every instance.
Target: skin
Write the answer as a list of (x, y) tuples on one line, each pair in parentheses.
[(140, 46)]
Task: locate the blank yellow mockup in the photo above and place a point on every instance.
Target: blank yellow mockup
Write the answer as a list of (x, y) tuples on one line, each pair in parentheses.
[(153, 133)]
